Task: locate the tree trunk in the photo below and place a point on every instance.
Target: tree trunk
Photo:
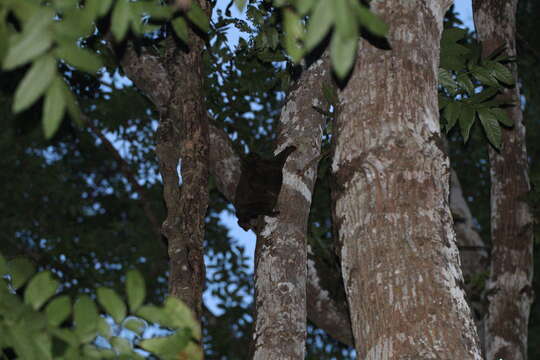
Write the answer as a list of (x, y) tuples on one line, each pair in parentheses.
[(509, 288), (174, 83), (281, 253), (400, 262)]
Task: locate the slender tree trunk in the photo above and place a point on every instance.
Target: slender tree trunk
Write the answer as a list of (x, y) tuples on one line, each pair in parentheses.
[(281, 254), (174, 83), (182, 149), (399, 258), (509, 288)]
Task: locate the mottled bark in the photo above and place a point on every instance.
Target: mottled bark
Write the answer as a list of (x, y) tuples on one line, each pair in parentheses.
[(399, 257), (473, 254), (324, 308), (281, 253), (509, 291), (174, 83)]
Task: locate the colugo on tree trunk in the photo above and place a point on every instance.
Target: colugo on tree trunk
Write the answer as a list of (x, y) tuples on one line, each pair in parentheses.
[(259, 186)]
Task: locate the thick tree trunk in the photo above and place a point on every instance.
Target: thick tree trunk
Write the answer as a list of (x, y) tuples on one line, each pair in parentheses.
[(281, 254), (325, 308), (399, 257), (509, 291)]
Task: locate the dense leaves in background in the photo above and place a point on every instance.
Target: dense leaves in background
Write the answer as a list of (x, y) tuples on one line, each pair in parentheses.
[(37, 323), (68, 204)]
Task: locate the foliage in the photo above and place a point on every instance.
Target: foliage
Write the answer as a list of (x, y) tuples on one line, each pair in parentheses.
[(67, 203), (38, 323), (470, 85)]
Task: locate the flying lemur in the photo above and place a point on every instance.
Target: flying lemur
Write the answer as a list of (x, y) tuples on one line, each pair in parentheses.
[(258, 188)]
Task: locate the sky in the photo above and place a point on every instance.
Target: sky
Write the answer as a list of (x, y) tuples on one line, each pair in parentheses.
[(248, 239)]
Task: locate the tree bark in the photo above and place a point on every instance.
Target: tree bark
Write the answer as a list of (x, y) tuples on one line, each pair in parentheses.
[(324, 308), (509, 288), (281, 253), (399, 257), (174, 83)]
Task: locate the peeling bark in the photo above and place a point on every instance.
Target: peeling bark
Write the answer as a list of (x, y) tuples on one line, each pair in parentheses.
[(400, 262), (509, 288), (281, 253)]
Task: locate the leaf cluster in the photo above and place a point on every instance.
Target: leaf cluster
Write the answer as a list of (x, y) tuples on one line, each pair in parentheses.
[(45, 35), (37, 322), (307, 23), (471, 86)]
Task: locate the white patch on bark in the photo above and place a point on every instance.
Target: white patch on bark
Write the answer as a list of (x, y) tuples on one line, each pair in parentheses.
[(294, 181), (270, 227), (289, 113), (382, 350)]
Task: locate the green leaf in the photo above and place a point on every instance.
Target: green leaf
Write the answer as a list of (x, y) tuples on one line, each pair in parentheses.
[(502, 73), (53, 108), (179, 315), (136, 325), (20, 270), (34, 41), (502, 117), (443, 101), (484, 95), (103, 328), (72, 106), (24, 10), (58, 310), (99, 7), (135, 289), (466, 121), (152, 313), (180, 28), (446, 80), (34, 83), (293, 33), (370, 21), (320, 23), (451, 114), (112, 303), (66, 335), (120, 19), (345, 24), (451, 60), (465, 82), (154, 10), (273, 38), (484, 76), (240, 5), (491, 127), (65, 4), (86, 318), (452, 35), (198, 17), (79, 58), (168, 347), (40, 289), (342, 54), (121, 345)]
